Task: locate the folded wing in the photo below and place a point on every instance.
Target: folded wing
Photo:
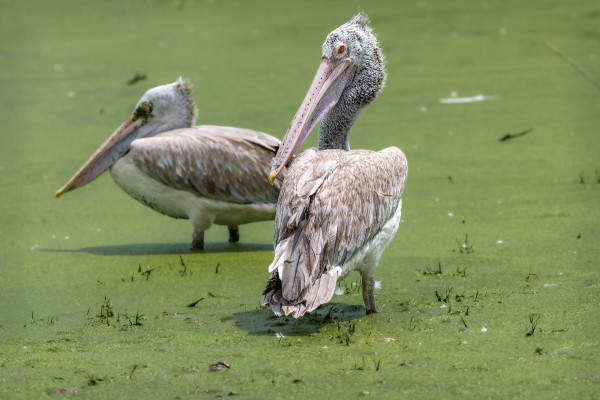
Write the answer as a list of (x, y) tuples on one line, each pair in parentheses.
[(215, 162)]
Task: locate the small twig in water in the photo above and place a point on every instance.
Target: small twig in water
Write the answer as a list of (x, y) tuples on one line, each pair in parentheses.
[(533, 320), (515, 135), (530, 276), (136, 78), (573, 63), (443, 298), (193, 304), (429, 271), (184, 271), (464, 247)]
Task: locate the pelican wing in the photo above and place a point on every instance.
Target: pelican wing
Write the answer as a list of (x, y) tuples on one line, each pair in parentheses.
[(219, 163), (332, 203)]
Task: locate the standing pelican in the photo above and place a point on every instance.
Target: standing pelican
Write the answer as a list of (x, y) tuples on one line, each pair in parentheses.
[(209, 174), (338, 209)]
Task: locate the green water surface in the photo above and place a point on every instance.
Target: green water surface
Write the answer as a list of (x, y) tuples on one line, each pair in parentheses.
[(489, 290)]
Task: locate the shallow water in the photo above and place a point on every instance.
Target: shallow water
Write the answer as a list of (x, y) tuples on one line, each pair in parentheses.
[(494, 234)]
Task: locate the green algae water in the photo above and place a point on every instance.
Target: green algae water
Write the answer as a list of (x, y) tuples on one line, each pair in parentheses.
[(489, 290)]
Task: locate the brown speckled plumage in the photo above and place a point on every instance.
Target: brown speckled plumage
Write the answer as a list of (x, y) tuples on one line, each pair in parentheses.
[(332, 203), (215, 162)]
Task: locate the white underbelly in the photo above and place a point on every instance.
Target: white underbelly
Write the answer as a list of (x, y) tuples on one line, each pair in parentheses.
[(367, 258), (183, 204)]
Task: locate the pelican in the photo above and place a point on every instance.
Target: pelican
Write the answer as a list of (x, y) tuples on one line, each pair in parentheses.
[(338, 209), (208, 174)]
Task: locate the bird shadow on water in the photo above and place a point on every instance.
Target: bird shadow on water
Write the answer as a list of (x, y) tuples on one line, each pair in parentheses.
[(264, 322), (166, 249)]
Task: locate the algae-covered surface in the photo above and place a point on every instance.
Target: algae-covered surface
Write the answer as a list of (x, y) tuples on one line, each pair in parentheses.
[(489, 290)]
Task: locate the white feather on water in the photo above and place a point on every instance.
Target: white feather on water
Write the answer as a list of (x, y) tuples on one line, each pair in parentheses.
[(472, 99)]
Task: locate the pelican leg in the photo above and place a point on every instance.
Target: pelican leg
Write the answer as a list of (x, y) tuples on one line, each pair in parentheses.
[(368, 288), (234, 233), (198, 240)]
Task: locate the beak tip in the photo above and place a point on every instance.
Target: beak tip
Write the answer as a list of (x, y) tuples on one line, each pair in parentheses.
[(272, 177), (59, 192)]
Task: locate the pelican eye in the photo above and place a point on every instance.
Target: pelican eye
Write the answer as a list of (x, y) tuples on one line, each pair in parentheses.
[(144, 111), (340, 50)]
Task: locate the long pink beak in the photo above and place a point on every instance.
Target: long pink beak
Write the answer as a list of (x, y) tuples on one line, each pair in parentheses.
[(324, 93), (114, 148)]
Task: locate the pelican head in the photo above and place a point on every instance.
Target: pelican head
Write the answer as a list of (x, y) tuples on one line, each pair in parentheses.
[(160, 109), (350, 76)]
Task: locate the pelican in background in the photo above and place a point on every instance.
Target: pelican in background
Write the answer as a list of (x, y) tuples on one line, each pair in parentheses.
[(338, 209), (209, 174)]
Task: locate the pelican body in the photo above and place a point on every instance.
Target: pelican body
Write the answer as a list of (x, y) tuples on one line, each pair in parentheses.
[(338, 209), (208, 174)]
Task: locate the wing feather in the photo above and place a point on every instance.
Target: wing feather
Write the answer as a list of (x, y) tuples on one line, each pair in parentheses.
[(220, 163)]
